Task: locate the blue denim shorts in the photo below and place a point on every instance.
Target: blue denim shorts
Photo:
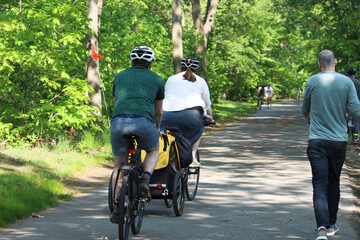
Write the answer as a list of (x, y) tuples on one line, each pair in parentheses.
[(147, 135)]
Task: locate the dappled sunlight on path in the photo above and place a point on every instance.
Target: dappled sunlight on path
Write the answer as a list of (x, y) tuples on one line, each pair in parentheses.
[(255, 183)]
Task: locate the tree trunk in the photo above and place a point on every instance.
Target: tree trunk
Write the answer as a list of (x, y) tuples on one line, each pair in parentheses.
[(203, 28), (177, 35), (91, 71), (20, 4)]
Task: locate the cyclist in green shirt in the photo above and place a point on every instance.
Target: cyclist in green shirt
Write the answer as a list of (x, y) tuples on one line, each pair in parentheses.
[(138, 96)]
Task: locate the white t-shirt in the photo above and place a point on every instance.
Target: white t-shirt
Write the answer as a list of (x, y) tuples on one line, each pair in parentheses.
[(181, 94), (269, 91)]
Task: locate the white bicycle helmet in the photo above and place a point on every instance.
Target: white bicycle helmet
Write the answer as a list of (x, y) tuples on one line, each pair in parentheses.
[(190, 62), (142, 53)]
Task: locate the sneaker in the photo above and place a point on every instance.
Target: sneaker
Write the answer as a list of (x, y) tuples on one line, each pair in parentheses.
[(332, 230), (144, 190), (115, 215), (321, 233), (195, 164)]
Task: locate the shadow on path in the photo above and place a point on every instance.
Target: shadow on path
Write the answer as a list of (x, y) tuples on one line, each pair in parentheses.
[(255, 184)]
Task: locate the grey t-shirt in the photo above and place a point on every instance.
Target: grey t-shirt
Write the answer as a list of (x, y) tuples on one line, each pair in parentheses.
[(326, 98)]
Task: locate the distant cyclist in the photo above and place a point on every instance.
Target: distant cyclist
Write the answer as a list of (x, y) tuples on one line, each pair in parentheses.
[(351, 71), (260, 94), (138, 97), (269, 92), (187, 100), (299, 93)]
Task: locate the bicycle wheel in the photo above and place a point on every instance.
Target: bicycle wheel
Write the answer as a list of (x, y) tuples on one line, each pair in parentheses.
[(178, 194), (110, 194), (124, 211), (260, 104), (137, 208), (192, 180), (168, 203)]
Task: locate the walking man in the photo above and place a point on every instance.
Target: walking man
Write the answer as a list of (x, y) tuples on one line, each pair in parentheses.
[(326, 97), (351, 71)]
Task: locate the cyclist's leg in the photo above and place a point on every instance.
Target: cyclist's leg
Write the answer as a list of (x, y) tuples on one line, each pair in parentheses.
[(151, 159), (117, 186), (195, 147), (119, 144), (148, 139)]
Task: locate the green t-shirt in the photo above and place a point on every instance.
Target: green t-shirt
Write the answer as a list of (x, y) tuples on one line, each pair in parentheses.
[(135, 90)]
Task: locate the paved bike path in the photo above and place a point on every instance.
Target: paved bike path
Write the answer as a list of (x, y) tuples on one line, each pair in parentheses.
[(255, 183)]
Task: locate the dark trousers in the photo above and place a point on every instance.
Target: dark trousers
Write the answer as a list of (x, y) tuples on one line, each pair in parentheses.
[(326, 159)]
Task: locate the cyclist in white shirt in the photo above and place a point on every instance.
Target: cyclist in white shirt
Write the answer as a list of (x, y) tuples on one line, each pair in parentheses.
[(269, 92), (187, 101)]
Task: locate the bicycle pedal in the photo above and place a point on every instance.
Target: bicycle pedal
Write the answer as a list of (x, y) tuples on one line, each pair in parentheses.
[(144, 200)]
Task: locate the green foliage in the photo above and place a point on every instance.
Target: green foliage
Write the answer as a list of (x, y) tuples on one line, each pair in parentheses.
[(253, 42), (5, 130), (42, 58), (224, 109), (91, 141)]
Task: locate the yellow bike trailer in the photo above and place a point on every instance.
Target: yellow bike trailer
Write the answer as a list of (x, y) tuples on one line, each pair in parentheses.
[(169, 179)]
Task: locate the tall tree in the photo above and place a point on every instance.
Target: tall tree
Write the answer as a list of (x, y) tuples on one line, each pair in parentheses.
[(204, 27), (177, 35), (91, 70)]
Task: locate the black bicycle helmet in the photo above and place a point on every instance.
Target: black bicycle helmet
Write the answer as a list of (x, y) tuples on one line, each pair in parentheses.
[(190, 62), (351, 71), (142, 53)]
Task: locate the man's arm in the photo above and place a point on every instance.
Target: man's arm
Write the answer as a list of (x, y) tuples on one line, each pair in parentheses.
[(158, 113), (305, 104)]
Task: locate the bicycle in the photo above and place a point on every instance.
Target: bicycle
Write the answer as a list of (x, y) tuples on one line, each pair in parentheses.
[(260, 103), (268, 102), (131, 206), (193, 174), (192, 180), (351, 129)]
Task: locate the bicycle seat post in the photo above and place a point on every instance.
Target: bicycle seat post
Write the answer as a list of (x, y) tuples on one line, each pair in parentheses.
[(131, 148)]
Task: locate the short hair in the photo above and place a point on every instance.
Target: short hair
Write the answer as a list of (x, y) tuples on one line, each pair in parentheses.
[(140, 62), (326, 58)]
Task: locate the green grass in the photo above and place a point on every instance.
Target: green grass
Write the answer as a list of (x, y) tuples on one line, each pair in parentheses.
[(21, 194), (32, 179), (224, 109)]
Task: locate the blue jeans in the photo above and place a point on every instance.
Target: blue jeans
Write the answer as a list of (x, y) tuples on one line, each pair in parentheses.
[(326, 159)]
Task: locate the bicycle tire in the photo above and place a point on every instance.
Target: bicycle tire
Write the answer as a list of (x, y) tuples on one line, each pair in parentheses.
[(192, 180), (137, 208), (124, 212), (260, 105), (178, 194), (110, 194), (168, 203)]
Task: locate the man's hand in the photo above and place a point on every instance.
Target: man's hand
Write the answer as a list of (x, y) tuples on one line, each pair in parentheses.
[(307, 119)]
